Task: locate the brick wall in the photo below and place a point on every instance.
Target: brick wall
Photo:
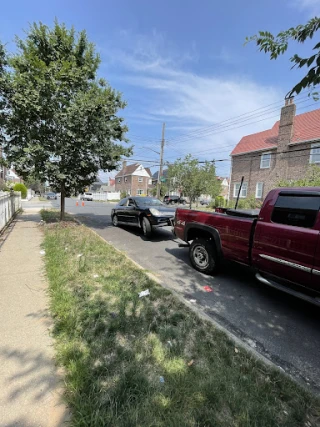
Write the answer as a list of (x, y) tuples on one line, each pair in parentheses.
[(132, 185)]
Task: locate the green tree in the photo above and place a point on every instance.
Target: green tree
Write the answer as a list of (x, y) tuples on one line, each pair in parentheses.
[(35, 184), (193, 179), (278, 45), (311, 179), (61, 124)]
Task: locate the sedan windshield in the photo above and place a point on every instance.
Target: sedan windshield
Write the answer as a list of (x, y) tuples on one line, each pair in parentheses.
[(148, 201)]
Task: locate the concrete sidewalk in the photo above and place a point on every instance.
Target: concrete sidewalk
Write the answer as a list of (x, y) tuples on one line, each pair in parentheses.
[(30, 385)]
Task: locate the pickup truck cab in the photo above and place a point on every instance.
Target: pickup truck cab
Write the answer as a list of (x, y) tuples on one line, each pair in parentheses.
[(281, 241)]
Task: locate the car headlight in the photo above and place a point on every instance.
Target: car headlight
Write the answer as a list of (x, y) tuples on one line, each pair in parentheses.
[(155, 212)]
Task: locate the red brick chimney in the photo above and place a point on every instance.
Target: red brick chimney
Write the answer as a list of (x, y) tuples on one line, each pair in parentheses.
[(124, 164), (286, 125)]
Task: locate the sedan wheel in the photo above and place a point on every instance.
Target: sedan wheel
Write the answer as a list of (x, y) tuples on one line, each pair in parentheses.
[(115, 221), (146, 227)]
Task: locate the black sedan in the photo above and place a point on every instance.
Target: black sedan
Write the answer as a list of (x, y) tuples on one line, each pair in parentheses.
[(143, 212)]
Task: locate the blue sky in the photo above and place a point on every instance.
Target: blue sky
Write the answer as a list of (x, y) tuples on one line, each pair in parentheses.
[(183, 63)]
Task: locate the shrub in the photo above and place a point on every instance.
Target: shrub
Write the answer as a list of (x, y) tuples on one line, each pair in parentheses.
[(22, 188), (123, 195), (219, 202)]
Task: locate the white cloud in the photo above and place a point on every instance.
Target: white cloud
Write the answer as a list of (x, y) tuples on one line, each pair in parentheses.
[(189, 101), (312, 7)]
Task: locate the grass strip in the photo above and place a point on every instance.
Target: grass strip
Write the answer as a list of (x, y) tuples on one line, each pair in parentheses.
[(150, 361)]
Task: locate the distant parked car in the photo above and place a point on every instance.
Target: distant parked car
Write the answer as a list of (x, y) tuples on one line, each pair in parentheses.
[(171, 200), (51, 196), (204, 202), (87, 196), (146, 213)]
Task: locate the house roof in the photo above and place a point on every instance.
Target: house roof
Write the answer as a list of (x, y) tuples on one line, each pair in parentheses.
[(149, 171), (306, 127), (130, 169)]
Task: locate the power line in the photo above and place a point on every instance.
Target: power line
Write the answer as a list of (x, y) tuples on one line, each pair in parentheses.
[(233, 145), (234, 118), (234, 125)]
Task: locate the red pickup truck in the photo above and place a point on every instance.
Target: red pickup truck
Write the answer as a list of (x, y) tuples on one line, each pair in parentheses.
[(281, 241)]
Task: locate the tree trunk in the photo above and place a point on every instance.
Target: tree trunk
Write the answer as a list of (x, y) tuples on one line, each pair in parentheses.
[(62, 201)]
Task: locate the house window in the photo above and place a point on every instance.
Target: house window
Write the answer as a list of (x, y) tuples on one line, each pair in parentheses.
[(315, 153), (259, 190), (150, 181), (126, 179), (140, 179), (244, 189), (265, 161), (139, 192), (119, 180)]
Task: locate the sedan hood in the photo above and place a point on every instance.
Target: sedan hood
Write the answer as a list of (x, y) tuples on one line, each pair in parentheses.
[(164, 210)]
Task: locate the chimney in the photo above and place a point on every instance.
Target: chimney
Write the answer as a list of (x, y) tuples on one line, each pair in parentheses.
[(286, 125), (124, 164)]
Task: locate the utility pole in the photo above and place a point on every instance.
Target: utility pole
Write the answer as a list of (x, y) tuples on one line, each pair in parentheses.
[(161, 161)]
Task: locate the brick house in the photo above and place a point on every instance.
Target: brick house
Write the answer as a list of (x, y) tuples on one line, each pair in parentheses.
[(134, 179), (283, 152)]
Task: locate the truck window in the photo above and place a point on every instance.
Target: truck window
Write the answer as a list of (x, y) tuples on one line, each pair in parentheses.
[(299, 211)]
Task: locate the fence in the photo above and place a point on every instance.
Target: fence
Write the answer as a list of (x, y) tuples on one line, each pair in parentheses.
[(9, 204), (105, 196)]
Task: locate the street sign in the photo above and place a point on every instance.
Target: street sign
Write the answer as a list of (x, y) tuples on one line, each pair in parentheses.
[(163, 179)]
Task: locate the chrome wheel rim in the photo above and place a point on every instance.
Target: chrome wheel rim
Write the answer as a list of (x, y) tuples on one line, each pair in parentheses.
[(144, 227), (200, 256), (115, 220)]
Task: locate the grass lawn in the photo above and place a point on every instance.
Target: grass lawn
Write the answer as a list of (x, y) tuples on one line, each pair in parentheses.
[(150, 361)]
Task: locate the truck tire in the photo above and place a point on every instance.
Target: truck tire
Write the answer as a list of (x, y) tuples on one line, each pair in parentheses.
[(203, 256), (146, 227)]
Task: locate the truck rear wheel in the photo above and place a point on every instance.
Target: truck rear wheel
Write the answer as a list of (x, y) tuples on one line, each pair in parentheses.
[(203, 256)]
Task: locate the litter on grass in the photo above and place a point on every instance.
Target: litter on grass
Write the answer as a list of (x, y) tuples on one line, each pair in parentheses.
[(95, 276), (144, 293), (191, 362), (193, 301), (42, 252), (80, 255), (236, 350), (161, 379), (169, 343), (208, 288)]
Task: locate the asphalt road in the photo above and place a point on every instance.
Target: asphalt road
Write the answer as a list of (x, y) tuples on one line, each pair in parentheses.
[(280, 327)]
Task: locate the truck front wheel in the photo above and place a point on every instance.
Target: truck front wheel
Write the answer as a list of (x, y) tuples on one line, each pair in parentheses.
[(203, 256)]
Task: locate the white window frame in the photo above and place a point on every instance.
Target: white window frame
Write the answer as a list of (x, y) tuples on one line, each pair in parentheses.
[(125, 179), (315, 151), (140, 179), (119, 180), (259, 191), (244, 189), (139, 192), (262, 160)]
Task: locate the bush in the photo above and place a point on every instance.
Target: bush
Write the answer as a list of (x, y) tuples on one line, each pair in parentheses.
[(219, 202), (123, 195), (22, 188)]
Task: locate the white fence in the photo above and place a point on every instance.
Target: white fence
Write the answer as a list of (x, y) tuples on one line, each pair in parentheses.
[(9, 204), (105, 196)]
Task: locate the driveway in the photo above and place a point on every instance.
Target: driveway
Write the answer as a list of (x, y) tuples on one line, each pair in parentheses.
[(282, 328)]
